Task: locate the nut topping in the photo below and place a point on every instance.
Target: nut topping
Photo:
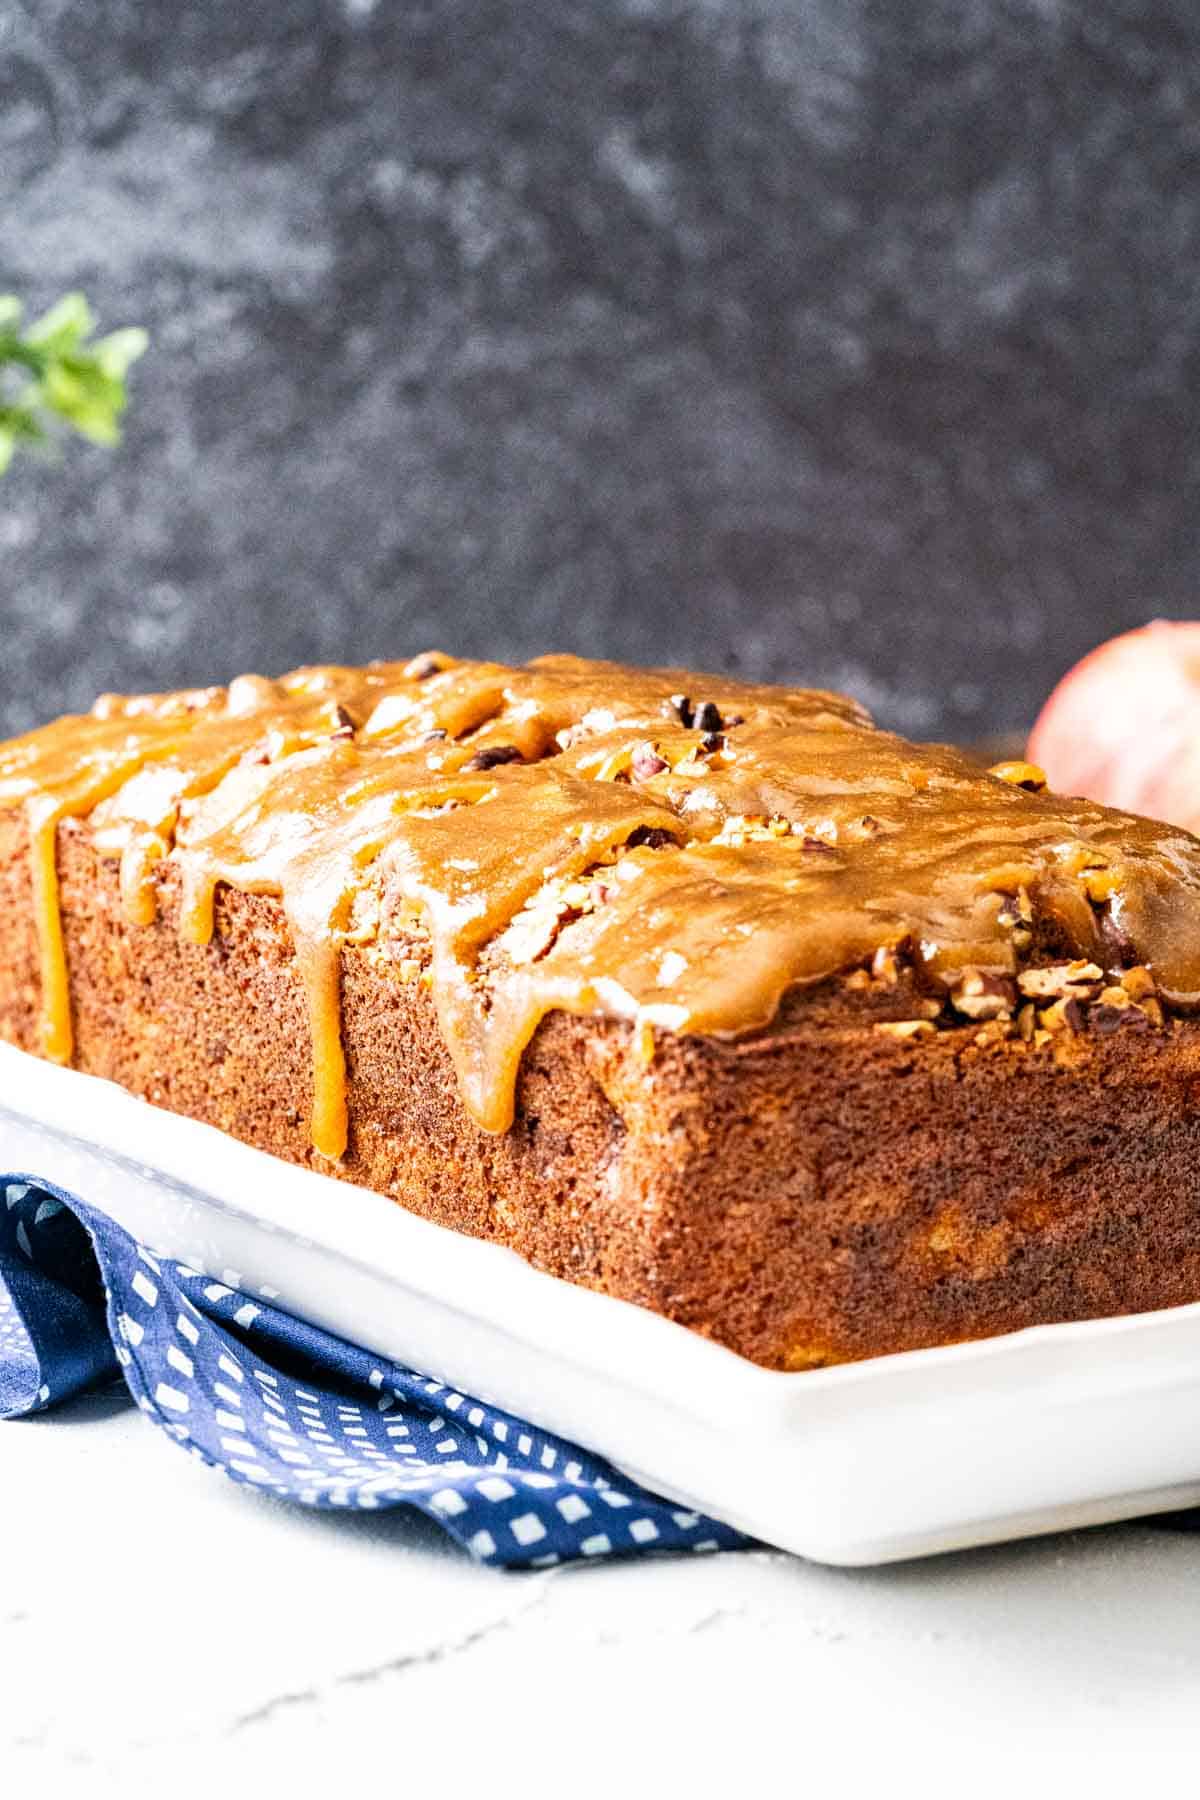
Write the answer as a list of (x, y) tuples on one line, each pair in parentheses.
[(884, 966), (1020, 774), (1064, 1015), (1108, 1016), (1017, 909), (1061, 981), (653, 837), (1138, 982), (492, 756), (980, 995), (647, 763), (422, 667), (702, 715)]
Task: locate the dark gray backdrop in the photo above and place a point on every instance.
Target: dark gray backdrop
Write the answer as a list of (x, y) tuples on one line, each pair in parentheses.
[(847, 340)]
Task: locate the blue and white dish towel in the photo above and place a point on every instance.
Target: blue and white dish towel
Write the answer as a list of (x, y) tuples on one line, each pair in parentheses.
[(283, 1406)]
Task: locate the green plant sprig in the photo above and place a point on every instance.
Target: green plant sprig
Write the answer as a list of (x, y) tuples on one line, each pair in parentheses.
[(51, 375)]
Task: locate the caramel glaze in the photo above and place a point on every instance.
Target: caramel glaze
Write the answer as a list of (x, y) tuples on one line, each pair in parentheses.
[(586, 837)]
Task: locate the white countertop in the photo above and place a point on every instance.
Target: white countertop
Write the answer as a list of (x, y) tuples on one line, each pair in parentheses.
[(155, 1619)]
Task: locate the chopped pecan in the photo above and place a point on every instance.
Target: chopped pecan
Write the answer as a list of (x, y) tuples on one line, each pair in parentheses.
[(647, 763), (1020, 774), (492, 755), (884, 964), (422, 667), (1061, 981), (982, 995), (1101, 884), (701, 715), (1117, 1006), (738, 830), (1063, 1015), (1017, 909), (653, 837), (981, 1006), (907, 1028), (1138, 982), (617, 765), (1105, 1016)]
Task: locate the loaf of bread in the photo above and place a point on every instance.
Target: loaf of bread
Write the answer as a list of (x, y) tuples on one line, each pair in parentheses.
[(710, 996)]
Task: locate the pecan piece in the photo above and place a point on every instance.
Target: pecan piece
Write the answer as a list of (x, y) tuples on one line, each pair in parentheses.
[(652, 837), (980, 995), (1025, 775), (701, 715), (1061, 981), (422, 667), (1117, 1007), (492, 755), (1017, 908), (1063, 1015), (647, 763), (1105, 1017), (884, 964), (1138, 982)]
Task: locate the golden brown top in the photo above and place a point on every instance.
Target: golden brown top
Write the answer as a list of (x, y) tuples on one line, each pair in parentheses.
[(662, 847)]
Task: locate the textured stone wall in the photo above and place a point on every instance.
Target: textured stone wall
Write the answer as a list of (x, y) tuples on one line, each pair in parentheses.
[(854, 340)]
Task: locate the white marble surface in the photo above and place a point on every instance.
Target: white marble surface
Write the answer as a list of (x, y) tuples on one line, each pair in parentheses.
[(155, 1618)]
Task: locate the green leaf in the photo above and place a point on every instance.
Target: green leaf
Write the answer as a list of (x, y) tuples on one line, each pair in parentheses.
[(64, 326), (116, 352), (55, 376)]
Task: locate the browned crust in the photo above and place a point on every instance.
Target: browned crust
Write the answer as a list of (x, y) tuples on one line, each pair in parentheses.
[(819, 1192)]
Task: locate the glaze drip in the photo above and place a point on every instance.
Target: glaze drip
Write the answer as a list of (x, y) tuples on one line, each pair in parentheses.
[(665, 848)]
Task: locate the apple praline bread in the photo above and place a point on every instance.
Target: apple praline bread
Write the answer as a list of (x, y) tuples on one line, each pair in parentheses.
[(708, 995)]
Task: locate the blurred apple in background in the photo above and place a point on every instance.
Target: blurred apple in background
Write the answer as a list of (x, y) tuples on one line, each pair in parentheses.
[(1123, 727)]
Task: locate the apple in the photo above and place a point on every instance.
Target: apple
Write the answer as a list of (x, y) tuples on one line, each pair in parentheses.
[(1123, 726)]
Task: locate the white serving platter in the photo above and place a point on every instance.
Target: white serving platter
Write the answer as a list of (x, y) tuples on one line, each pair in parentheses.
[(934, 1450)]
